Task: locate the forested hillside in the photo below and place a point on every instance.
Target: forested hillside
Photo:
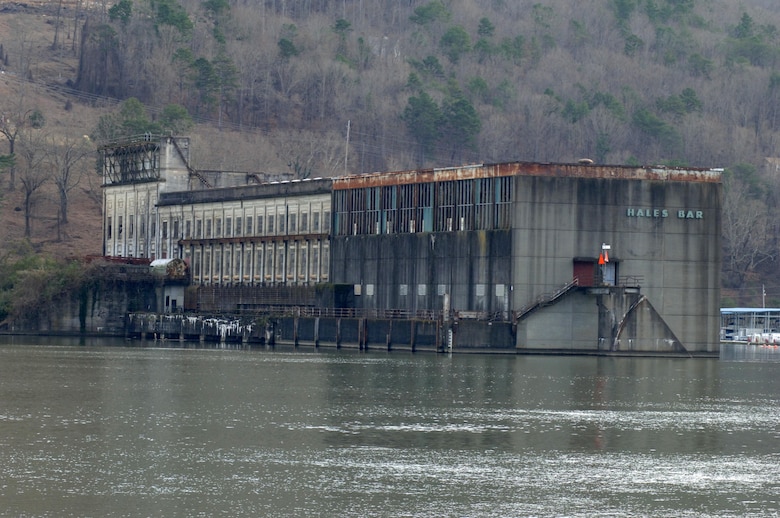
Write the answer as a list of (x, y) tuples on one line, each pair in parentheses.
[(320, 87), (440, 82)]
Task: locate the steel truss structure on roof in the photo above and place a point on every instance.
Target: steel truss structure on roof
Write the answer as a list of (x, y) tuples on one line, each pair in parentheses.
[(137, 160)]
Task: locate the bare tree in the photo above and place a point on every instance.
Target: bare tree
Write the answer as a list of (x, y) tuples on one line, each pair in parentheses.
[(13, 119), (56, 44), (34, 171), (746, 242), (22, 49), (93, 189), (76, 17), (313, 154), (67, 157)]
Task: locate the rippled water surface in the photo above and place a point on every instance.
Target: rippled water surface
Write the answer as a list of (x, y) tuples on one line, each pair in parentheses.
[(106, 430)]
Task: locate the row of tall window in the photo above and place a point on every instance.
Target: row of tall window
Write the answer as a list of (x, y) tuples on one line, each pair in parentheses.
[(457, 205), (278, 222), (165, 228), (301, 262), (131, 227)]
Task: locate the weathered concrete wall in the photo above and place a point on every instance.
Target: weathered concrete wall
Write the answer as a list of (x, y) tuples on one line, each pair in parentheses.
[(473, 335), (98, 309), (327, 332), (572, 324), (174, 168), (603, 320), (416, 271), (664, 233), (641, 328)]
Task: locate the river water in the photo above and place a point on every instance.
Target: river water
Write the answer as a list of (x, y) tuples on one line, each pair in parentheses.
[(125, 430)]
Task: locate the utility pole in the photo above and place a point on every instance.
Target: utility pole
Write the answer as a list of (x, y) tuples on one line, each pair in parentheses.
[(346, 150)]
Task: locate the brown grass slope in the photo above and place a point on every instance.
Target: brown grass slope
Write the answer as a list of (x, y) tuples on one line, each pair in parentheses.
[(72, 116), (81, 236)]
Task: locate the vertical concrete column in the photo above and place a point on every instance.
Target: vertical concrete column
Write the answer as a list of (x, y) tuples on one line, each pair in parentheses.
[(296, 320), (412, 334), (360, 338), (362, 334), (338, 333), (239, 247), (317, 332), (389, 334)]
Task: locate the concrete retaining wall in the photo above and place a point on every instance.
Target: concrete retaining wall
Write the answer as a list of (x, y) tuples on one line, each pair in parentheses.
[(99, 309)]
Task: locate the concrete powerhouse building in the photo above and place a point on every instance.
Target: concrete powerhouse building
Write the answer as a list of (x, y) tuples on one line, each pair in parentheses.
[(558, 257)]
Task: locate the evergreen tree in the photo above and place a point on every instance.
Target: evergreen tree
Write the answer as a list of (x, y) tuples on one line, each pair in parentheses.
[(423, 118), (461, 124)]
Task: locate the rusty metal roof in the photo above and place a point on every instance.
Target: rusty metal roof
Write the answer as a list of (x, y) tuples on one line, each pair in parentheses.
[(466, 172)]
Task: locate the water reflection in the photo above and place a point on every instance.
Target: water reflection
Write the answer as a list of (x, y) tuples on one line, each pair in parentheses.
[(173, 431), (745, 352)]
